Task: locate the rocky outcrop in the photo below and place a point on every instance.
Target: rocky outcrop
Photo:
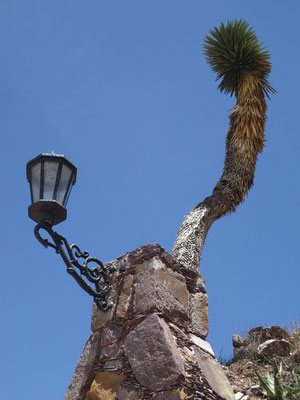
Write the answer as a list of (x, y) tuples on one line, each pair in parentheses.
[(259, 352), (274, 347), (237, 341), (262, 342), (151, 343)]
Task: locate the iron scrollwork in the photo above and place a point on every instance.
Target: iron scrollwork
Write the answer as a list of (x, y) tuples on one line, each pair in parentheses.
[(71, 254)]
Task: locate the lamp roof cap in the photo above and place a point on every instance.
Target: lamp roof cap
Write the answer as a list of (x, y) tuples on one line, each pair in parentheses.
[(51, 157)]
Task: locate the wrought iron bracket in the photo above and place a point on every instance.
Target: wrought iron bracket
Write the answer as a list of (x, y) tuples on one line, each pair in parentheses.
[(71, 254)]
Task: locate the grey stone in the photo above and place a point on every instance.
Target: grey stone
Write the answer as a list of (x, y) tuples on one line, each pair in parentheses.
[(214, 376), (170, 395), (199, 314), (110, 335), (155, 360), (274, 347), (203, 344), (113, 364), (255, 388), (112, 351), (84, 367), (158, 288), (237, 341), (128, 392)]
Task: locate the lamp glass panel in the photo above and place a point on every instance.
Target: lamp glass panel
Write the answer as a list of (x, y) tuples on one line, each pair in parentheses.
[(63, 184), (50, 172), (35, 181)]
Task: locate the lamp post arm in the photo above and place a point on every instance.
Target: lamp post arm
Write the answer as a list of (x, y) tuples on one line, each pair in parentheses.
[(99, 275)]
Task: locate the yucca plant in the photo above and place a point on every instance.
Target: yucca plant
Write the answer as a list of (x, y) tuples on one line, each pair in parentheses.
[(242, 66), (277, 387), (272, 386)]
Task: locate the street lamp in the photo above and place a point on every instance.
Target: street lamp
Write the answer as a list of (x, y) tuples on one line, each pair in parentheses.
[(51, 177)]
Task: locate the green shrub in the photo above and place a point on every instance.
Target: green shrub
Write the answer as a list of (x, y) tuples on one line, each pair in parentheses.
[(280, 387)]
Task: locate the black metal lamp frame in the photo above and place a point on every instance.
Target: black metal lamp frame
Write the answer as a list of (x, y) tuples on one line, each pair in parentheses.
[(71, 254), (48, 212)]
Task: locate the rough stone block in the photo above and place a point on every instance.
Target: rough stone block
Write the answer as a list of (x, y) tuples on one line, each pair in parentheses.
[(237, 341), (84, 367), (125, 297), (158, 288), (214, 376), (111, 335), (154, 358), (170, 395), (203, 344), (128, 392), (113, 364), (112, 351), (199, 314), (105, 386)]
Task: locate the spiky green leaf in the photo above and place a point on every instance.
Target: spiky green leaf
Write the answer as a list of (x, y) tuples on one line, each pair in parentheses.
[(232, 50), (278, 382), (268, 386)]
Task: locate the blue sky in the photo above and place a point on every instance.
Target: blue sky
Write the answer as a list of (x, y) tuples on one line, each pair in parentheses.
[(123, 90)]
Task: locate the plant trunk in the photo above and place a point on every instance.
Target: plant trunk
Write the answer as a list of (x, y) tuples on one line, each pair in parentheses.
[(245, 139)]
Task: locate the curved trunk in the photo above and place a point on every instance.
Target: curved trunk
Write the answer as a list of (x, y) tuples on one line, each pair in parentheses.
[(245, 139)]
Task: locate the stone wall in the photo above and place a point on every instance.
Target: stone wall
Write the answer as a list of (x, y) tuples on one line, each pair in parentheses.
[(151, 343)]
